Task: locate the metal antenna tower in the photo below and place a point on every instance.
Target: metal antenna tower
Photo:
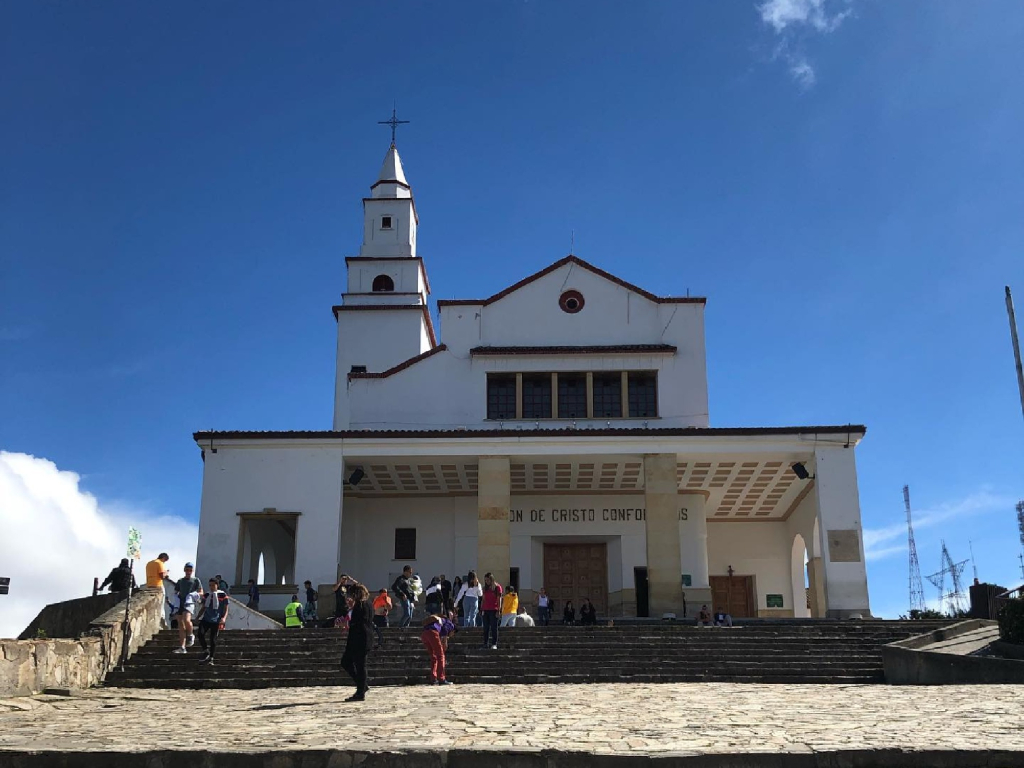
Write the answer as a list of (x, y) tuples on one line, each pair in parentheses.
[(974, 565), (951, 602), (917, 602), (1020, 521)]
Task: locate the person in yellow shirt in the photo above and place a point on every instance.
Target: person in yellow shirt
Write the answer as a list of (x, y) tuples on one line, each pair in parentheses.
[(509, 607), (156, 571), (293, 614)]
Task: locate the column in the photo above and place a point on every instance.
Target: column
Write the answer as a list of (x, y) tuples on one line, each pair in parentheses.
[(816, 587), (845, 583), (693, 539), (493, 501), (664, 572)]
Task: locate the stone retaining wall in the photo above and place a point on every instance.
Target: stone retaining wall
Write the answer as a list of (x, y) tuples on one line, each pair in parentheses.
[(30, 666), (908, 662)]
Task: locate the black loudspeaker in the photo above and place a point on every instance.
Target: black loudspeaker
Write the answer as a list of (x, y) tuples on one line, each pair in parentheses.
[(798, 469), (356, 476)]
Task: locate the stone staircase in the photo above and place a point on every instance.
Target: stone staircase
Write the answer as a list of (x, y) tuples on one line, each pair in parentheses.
[(808, 652)]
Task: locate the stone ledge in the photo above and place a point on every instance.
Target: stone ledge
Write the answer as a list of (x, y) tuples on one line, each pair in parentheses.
[(516, 758), (31, 666)]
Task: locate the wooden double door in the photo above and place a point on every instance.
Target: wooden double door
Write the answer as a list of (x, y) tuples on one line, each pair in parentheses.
[(575, 571), (734, 595)]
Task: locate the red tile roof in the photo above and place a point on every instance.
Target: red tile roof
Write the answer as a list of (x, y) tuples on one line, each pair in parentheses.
[(710, 432), (401, 366)]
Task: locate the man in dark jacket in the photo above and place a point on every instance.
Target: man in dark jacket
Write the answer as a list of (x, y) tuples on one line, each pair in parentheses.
[(120, 578), (403, 591), (446, 594)]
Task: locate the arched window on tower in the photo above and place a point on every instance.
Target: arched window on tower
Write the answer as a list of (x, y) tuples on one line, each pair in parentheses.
[(383, 283)]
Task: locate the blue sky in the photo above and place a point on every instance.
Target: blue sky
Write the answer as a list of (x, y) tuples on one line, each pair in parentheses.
[(179, 185)]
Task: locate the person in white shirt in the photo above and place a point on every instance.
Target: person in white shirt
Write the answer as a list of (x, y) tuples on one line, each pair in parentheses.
[(470, 595), (543, 607), (523, 619)]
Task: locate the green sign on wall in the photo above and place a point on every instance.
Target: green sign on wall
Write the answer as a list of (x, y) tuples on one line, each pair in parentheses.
[(774, 601)]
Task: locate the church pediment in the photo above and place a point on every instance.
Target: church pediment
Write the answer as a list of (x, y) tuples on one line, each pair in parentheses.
[(576, 262)]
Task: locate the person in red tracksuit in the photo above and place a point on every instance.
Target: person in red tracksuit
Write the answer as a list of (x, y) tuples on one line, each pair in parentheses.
[(436, 630)]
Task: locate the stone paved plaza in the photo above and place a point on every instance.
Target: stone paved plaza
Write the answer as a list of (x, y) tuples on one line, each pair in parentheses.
[(639, 720)]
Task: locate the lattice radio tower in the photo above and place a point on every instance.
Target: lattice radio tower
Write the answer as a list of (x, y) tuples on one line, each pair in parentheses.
[(1020, 527), (917, 602), (950, 602)]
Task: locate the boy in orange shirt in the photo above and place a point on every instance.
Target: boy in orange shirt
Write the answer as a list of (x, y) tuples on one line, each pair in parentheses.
[(381, 609)]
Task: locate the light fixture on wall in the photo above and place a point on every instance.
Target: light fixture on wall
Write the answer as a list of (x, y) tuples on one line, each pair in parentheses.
[(801, 471), (356, 476)]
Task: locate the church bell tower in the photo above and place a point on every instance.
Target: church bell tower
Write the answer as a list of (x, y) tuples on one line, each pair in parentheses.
[(383, 318)]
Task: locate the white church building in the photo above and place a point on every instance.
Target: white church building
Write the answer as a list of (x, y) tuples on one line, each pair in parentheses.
[(554, 432)]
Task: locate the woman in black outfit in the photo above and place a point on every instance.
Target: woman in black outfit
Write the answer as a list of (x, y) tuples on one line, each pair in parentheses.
[(588, 613), (360, 639), (569, 614)]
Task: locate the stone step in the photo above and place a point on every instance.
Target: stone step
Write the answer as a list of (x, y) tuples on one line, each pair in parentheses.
[(289, 640), (846, 652), (186, 665), (247, 682), (482, 656)]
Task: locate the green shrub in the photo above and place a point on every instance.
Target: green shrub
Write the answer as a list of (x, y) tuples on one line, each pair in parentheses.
[(1011, 621), (928, 613)]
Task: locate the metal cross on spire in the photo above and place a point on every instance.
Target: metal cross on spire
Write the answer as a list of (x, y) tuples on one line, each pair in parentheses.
[(394, 122)]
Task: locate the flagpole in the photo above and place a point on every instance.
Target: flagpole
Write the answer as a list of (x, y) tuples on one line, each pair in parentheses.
[(1016, 346), (134, 553)]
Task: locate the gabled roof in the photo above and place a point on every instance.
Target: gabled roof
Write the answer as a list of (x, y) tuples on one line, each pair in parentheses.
[(401, 366), (571, 259)]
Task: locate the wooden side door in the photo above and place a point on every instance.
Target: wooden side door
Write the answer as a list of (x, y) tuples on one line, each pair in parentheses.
[(733, 594)]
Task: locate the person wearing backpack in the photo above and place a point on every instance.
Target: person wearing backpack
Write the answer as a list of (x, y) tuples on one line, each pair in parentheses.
[(120, 578), (491, 605), (402, 590), (212, 616)]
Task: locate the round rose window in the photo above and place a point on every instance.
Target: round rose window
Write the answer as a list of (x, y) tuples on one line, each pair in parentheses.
[(571, 302)]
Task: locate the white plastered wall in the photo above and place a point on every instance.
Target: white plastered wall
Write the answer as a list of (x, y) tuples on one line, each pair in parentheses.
[(303, 479), (445, 537), (757, 549), (838, 501)]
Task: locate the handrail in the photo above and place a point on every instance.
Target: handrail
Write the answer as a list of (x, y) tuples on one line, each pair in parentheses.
[(998, 601), (1007, 594)]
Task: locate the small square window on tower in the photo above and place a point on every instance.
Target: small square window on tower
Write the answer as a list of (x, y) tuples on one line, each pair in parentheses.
[(385, 222)]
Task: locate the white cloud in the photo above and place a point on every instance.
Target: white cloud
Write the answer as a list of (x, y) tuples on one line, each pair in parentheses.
[(781, 14), (883, 542), (791, 20), (802, 71), (57, 537)]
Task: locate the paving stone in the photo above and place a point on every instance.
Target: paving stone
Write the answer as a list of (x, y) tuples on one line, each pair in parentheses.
[(711, 719)]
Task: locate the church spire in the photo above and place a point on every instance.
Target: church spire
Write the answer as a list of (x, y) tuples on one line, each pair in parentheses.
[(391, 181)]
